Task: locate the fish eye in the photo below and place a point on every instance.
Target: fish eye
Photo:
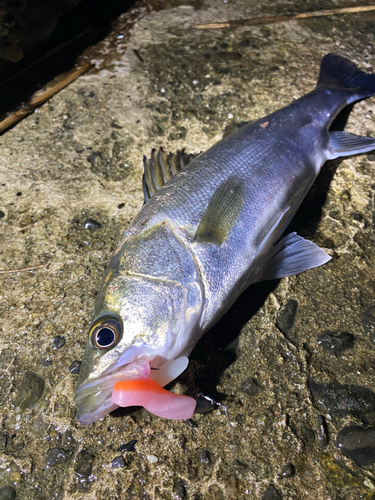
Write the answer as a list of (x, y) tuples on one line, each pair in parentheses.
[(105, 333)]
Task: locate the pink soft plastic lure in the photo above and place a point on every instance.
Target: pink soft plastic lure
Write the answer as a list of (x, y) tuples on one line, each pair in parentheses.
[(154, 398)]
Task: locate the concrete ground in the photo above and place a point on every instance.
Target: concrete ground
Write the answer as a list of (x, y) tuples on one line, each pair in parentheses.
[(70, 184)]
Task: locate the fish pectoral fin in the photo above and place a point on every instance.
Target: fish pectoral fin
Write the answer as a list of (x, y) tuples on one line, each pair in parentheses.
[(160, 168), (221, 213), (293, 255), (346, 144)]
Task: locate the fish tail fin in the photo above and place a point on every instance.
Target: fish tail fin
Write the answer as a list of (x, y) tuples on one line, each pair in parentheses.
[(340, 72)]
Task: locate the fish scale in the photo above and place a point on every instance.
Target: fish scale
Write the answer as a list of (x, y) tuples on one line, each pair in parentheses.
[(203, 237)]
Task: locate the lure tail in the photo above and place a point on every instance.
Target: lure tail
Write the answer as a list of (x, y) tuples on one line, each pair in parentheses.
[(339, 72)]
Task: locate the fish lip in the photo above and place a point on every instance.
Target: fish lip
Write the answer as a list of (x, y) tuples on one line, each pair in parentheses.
[(88, 413), (138, 369)]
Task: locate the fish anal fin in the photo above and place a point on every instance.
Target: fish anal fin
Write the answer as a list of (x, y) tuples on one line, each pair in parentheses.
[(221, 213), (160, 168), (346, 144), (293, 255)]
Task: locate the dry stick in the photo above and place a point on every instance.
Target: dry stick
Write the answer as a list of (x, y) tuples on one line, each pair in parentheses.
[(39, 100), (25, 269), (287, 17)]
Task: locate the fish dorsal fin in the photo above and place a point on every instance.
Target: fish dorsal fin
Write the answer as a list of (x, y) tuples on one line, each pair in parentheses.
[(221, 213), (160, 168)]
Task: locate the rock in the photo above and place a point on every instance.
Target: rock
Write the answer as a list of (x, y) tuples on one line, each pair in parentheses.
[(56, 456), (181, 441), (287, 471), (334, 342), (30, 391), (7, 493), (58, 342), (118, 462), (74, 367), (179, 489), (271, 493), (357, 443), (287, 315), (205, 457), (368, 322), (342, 399), (130, 446), (152, 459), (91, 225), (3, 440), (204, 404), (251, 387), (307, 434), (322, 431), (82, 469)]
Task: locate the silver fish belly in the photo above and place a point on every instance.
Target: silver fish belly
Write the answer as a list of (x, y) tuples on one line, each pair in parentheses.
[(207, 231)]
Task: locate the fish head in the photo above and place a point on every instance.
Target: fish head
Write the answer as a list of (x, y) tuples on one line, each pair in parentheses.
[(140, 330)]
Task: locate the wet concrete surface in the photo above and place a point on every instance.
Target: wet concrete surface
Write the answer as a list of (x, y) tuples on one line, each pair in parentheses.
[(70, 184)]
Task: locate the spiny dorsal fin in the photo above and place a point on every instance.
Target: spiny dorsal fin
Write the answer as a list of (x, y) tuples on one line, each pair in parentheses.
[(221, 213), (160, 168)]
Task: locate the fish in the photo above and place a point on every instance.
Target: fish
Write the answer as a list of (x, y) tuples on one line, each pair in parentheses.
[(211, 225)]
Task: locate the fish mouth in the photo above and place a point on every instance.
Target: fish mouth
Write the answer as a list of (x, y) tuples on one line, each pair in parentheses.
[(94, 396)]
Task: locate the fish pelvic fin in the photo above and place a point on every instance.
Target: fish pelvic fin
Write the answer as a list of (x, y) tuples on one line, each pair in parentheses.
[(339, 72), (293, 255), (346, 144), (160, 168), (221, 213)]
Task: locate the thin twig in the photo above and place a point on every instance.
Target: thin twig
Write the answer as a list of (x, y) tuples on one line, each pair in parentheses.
[(9, 271), (45, 56), (254, 21), (39, 100)]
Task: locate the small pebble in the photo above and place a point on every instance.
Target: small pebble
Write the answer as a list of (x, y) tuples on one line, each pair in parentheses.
[(3, 440), (18, 444), (308, 434), (179, 489), (368, 322), (357, 443), (251, 387), (333, 342), (83, 469), (83, 465), (322, 431), (121, 205), (7, 493), (152, 459), (58, 342), (45, 362), (128, 446), (30, 391), (118, 462), (205, 457), (342, 399), (204, 404), (181, 441), (287, 315), (91, 225), (286, 471), (191, 423), (56, 456), (74, 367), (271, 493)]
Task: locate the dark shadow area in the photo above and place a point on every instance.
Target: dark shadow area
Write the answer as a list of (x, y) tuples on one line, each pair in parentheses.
[(217, 349), (87, 24)]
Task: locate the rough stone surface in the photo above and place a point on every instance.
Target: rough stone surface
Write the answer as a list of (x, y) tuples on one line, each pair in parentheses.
[(79, 158)]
